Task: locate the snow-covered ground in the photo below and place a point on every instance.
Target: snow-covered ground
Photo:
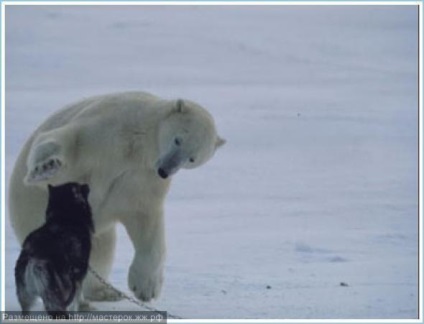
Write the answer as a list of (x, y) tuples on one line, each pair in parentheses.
[(318, 182)]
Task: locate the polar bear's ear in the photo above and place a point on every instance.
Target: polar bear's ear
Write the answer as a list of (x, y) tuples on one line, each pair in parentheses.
[(44, 161), (219, 142), (180, 106)]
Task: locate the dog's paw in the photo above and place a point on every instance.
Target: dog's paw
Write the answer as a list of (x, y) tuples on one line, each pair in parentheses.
[(43, 170), (145, 287), (103, 294)]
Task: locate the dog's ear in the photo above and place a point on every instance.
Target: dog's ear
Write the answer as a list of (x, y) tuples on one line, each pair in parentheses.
[(85, 189)]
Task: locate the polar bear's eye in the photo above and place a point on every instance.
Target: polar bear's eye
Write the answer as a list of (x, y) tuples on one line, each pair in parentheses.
[(177, 142), (191, 160)]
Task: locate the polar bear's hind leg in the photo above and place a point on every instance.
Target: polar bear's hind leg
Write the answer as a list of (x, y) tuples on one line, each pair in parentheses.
[(44, 170), (43, 162), (101, 259)]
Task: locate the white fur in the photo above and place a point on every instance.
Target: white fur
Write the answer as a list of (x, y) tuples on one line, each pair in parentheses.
[(116, 144)]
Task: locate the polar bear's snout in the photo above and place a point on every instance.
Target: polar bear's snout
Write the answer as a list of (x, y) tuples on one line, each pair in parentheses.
[(170, 163), (162, 173)]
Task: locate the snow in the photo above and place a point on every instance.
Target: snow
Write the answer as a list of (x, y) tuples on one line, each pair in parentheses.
[(311, 208)]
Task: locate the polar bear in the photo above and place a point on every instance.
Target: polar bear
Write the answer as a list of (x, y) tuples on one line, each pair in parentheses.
[(126, 147)]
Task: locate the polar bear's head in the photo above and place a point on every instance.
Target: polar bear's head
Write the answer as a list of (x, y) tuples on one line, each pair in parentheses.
[(187, 138)]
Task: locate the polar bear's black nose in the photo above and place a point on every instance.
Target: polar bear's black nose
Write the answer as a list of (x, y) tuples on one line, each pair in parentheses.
[(162, 173)]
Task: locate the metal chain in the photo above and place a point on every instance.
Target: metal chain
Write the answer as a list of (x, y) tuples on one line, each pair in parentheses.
[(125, 296)]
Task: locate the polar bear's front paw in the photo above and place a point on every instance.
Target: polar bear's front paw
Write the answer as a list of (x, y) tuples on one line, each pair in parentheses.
[(145, 286), (44, 170)]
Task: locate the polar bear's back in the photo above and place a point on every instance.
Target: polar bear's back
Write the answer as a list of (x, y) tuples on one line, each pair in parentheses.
[(99, 106)]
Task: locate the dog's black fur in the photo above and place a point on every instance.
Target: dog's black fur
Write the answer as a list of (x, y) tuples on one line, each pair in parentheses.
[(54, 258)]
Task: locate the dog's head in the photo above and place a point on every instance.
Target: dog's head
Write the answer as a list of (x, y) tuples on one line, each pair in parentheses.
[(69, 200)]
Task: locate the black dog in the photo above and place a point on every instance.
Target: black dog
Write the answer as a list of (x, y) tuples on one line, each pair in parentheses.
[(54, 257)]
